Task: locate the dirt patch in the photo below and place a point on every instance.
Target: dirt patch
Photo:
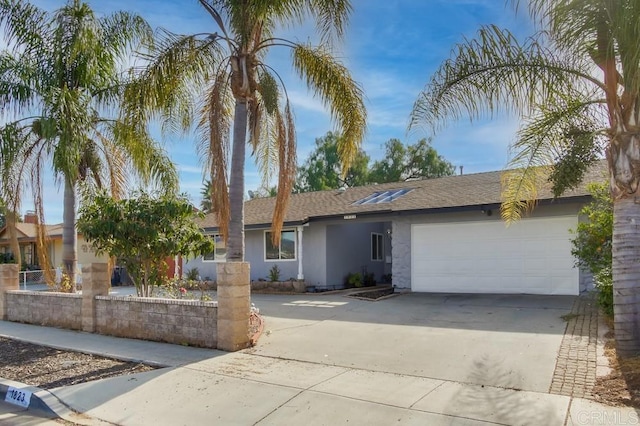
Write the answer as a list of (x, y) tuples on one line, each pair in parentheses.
[(622, 386), (49, 368), (374, 294)]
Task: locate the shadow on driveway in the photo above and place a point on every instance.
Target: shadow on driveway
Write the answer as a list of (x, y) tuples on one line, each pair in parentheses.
[(507, 313)]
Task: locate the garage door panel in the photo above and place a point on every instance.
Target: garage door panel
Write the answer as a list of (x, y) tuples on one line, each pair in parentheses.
[(531, 256)]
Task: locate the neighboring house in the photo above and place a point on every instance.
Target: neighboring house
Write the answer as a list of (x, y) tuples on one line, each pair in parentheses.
[(434, 235), (27, 234)]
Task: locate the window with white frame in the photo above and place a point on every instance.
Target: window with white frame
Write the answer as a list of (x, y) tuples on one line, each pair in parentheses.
[(377, 247), (219, 253), (287, 248)]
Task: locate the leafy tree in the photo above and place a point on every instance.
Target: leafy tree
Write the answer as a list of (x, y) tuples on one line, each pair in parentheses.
[(576, 84), (263, 192), (593, 241), (322, 170), (59, 78), (142, 232), (243, 91), (402, 163), (205, 203)]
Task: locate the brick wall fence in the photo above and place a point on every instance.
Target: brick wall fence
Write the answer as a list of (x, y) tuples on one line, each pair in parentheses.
[(165, 320)]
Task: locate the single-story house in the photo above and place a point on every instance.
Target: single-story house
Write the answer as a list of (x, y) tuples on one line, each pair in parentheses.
[(431, 235), (27, 236)]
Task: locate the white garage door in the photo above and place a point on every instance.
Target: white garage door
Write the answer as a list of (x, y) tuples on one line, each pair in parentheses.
[(532, 256)]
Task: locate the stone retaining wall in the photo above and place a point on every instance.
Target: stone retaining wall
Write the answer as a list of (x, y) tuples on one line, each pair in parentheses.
[(278, 286), (165, 320), (186, 322), (43, 308)]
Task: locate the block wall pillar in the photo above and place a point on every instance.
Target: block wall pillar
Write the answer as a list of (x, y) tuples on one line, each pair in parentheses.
[(9, 280), (95, 282), (234, 305)]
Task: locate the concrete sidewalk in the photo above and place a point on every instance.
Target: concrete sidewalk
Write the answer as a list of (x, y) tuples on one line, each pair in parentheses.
[(260, 386)]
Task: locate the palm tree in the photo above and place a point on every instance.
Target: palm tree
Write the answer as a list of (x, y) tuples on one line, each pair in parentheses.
[(59, 79), (576, 84), (242, 91)]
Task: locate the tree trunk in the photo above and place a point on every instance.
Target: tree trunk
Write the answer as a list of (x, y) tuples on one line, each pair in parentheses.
[(235, 246), (11, 218), (69, 235), (626, 274)]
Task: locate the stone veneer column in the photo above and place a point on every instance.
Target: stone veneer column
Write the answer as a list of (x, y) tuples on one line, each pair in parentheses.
[(95, 282), (234, 305), (9, 280)]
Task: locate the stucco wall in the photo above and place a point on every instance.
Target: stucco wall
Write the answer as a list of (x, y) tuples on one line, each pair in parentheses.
[(44, 308), (164, 320), (313, 257), (349, 250), (86, 253), (254, 253)]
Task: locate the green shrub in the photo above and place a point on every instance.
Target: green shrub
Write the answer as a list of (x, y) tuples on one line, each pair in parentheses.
[(192, 274), (593, 241), (604, 284), (274, 273), (353, 280)]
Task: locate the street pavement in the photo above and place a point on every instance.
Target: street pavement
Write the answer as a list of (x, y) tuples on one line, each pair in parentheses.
[(330, 359)]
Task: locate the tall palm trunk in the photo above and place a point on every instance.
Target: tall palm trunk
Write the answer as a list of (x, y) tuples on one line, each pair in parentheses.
[(11, 219), (235, 246), (626, 274), (69, 236)]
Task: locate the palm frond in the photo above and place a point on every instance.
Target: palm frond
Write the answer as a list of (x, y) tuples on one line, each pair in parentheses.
[(150, 162), (496, 71), (520, 191), (332, 82), (16, 77), (115, 159), (269, 92), (213, 128), (123, 32), (540, 153), (287, 170), (23, 24), (178, 66), (265, 148), (330, 16)]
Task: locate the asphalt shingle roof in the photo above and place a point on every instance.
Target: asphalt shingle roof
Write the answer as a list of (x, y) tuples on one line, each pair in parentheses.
[(452, 191), (30, 231)]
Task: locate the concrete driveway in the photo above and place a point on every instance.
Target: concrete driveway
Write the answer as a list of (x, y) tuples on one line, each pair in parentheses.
[(507, 341), (413, 359)]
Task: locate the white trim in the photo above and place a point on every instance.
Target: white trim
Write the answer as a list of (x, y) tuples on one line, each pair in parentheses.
[(295, 242), (299, 250), (381, 252)]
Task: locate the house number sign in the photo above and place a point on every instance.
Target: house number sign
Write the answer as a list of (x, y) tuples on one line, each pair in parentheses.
[(19, 397)]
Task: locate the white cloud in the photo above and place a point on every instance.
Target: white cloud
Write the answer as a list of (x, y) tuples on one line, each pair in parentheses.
[(186, 168), (301, 99)]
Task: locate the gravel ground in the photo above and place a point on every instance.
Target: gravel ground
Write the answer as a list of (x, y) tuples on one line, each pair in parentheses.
[(49, 368)]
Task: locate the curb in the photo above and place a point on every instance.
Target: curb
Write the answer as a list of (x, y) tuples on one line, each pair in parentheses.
[(44, 404)]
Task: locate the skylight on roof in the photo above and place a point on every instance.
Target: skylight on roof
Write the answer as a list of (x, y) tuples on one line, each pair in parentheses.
[(382, 197)]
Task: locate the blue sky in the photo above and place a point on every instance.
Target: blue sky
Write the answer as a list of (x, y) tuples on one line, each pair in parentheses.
[(391, 47)]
